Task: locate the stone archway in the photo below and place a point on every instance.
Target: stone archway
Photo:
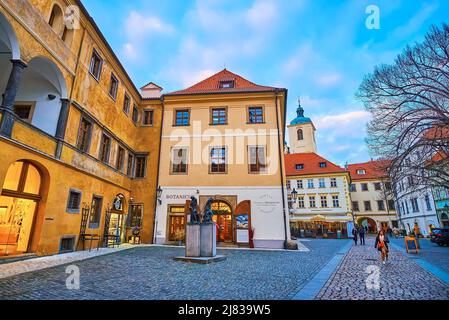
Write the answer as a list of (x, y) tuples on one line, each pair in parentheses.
[(369, 224)]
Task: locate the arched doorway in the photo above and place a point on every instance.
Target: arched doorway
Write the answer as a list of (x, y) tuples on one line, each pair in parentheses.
[(222, 216), (19, 202), (444, 220), (368, 223), (117, 218)]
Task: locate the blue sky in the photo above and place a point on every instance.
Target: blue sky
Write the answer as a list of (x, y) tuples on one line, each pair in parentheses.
[(319, 49)]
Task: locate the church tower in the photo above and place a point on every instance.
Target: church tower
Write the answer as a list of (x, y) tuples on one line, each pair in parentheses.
[(301, 132)]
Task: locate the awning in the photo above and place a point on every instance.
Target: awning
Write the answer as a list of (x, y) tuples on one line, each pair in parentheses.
[(320, 218)]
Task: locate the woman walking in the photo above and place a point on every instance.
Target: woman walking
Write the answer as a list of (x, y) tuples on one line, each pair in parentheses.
[(354, 234), (381, 244)]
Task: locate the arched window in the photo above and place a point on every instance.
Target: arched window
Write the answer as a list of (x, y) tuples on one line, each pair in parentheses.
[(300, 134), (56, 20)]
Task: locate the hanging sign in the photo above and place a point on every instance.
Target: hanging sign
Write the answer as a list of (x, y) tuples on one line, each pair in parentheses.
[(242, 225)]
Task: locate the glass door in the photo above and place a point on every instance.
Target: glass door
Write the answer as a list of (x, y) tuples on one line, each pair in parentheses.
[(116, 226)]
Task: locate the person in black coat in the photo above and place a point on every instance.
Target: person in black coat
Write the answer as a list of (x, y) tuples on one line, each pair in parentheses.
[(362, 235), (381, 244)]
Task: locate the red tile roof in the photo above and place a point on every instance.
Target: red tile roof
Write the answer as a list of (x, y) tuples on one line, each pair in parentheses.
[(311, 162), (439, 132), (375, 169), (212, 85)]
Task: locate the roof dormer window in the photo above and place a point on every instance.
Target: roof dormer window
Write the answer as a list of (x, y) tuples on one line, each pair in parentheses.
[(299, 166), (323, 165), (361, 171), (227, 84)]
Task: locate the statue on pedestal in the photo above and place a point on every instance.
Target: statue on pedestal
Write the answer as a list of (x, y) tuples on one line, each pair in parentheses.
[(194, 216), (207, 215)]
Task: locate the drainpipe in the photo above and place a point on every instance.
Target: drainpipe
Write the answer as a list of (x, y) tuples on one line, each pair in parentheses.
[(281, 163), (156, 202)]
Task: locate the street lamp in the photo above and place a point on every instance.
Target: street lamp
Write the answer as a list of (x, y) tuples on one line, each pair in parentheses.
[(159, 194), (294, 194)]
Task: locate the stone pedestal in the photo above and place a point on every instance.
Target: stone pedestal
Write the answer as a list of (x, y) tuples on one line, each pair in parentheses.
[(193, 239), (208, 245)]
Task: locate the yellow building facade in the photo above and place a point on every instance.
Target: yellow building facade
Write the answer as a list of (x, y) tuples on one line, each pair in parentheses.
[(78, 142), (222, 140)]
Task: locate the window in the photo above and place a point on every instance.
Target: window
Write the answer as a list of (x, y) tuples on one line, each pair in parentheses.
[(113, 87), (84, 135), (120, 158), (218, 160), (380, 205), (367, 205), (219, 116), (312, 202), (361, 172), (140, 166), (391, 205), (355, 206), (74, 201), (227, 84), (105, 146), (289, 185), (414, 202), (299, 184), (300, 134), (147, 119), (299, 166), (333, 182), (257, 162), (301, 202), (387, 186), (323, 164), (179, 161), (24, 111), (130, 164), (364, 186), (353, 187), (56, 20), (321, 183), (377, 186), (428, 205), (135, 220), (67, 244), (310, 183), (96, 64), (323, 201), (126, 104), (335, 201), (406, 207), (255, 115), (135, 114), (95, 213), (182, 117)]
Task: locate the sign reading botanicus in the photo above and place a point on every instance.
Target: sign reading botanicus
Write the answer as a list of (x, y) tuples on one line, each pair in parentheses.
[(178, 196)]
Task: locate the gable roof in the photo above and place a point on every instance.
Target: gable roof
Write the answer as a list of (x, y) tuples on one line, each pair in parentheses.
[(212, 85), (152, 85), (311, 162), (375, 169)]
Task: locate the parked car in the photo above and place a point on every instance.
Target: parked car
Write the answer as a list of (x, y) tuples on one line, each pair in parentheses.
[(440, 236)]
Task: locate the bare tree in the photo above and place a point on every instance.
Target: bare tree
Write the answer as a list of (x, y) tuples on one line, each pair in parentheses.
[(409, 103)]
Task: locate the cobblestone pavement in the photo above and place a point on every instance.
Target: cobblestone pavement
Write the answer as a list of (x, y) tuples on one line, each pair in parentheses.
[(430, 252), (151, 273), (400, 279)]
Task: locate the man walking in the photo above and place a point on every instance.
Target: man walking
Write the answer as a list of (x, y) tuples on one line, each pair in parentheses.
[(362, 235)]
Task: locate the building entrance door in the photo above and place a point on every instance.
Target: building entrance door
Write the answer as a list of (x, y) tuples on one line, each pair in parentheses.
[(222, 216), (116, 225)]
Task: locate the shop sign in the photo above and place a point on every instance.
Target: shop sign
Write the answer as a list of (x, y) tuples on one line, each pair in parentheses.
[(242, 225)]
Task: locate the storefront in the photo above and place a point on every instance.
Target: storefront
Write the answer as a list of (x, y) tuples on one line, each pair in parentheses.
[(237, 219), (320, 227)]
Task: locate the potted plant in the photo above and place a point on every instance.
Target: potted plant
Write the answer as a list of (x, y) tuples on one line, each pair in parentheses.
[(179, 236)]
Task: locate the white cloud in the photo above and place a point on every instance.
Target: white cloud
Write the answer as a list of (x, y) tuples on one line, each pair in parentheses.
[(343, 123), (263, 14), (416, 22), (329, 79), (139, 27)]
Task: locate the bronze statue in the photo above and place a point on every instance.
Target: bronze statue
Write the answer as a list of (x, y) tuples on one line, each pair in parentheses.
[(207, 215), (194, 216)]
